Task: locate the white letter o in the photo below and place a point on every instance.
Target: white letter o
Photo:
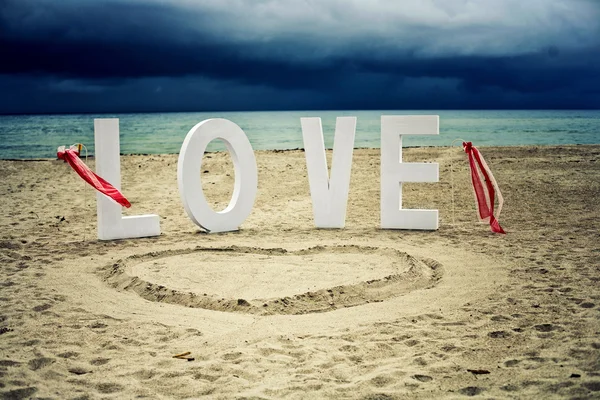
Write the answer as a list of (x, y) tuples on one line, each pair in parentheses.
[(190, 185)]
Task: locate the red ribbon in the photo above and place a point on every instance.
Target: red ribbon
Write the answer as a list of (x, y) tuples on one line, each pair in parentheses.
[(90, 177), (485, 200)]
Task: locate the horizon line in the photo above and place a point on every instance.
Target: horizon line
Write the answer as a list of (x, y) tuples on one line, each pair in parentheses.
[(291, 110)]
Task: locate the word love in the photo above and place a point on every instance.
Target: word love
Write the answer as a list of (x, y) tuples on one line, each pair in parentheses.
[(329, 194)]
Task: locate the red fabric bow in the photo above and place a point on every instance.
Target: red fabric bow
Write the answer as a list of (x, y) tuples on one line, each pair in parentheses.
[(485, 199), (71, 156)]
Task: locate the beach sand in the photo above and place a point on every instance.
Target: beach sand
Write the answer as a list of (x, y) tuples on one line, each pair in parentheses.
[(281, 309)]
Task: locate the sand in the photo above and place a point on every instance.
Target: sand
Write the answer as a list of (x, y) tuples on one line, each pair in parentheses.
[(280, 309)]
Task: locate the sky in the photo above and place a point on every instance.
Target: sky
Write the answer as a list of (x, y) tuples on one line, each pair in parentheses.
[(72, 56)]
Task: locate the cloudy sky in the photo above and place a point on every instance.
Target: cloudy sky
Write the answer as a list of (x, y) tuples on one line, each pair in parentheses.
[(213, 55)]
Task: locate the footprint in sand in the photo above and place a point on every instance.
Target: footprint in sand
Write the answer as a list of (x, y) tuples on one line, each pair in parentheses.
[(109, 387), (68, 354), (21, 393), (99, 361), (422, 378), (471, 391), (39, 363)]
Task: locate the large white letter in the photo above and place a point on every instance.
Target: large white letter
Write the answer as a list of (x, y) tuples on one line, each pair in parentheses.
[(394, 171), (329, 196), (111, 223), (190, 185)]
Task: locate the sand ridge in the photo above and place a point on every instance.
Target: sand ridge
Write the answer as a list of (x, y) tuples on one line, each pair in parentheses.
[(273, 281)]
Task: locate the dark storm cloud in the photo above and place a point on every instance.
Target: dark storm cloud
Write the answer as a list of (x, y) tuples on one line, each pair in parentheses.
[(121, 40), (335, 52)]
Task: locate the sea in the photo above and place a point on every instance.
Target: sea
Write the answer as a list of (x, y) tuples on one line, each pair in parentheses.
[(38, 136)]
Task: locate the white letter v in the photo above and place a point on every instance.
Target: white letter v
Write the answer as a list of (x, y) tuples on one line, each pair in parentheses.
[(329, 196)]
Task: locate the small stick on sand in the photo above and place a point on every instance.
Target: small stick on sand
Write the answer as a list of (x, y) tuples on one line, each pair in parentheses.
[(183, 356)]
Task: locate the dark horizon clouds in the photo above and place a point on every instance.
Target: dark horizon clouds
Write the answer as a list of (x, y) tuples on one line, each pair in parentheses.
[(184, 55)]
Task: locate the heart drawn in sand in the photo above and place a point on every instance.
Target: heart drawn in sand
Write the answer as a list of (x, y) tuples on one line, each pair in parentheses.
[(267, 281)]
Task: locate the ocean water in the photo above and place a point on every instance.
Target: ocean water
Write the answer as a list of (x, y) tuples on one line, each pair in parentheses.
[(38, 136)]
